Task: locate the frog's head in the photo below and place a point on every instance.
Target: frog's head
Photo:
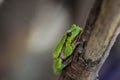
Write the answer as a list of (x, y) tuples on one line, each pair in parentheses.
[(74, 27), (73, 31)]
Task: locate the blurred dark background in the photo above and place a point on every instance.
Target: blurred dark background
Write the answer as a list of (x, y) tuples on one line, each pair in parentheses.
[(111, 67), (29, 31)]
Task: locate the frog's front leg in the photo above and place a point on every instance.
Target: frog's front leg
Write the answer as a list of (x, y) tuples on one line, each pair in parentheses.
[(58, 65), (68, 50)]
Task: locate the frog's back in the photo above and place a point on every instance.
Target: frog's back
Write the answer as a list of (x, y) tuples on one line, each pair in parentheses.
[(59, 47)]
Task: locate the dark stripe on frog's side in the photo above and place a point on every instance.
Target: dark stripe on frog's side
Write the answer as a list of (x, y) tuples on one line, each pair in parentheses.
[(68, 34)]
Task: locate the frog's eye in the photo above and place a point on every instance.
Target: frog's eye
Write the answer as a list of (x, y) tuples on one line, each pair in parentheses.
[(69, 33)]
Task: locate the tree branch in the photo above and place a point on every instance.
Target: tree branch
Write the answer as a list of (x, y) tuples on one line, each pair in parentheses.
[(96, 41)]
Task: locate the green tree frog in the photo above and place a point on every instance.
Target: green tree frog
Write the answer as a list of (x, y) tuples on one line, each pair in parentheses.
[(65, 48)]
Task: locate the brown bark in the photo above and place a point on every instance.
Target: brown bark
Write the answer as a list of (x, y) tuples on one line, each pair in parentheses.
[(96, 41)]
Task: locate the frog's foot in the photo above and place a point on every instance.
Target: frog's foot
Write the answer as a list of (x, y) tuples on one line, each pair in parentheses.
[(58, 65)]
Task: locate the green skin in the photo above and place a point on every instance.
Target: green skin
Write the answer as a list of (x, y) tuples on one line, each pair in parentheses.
[(66, 42)]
